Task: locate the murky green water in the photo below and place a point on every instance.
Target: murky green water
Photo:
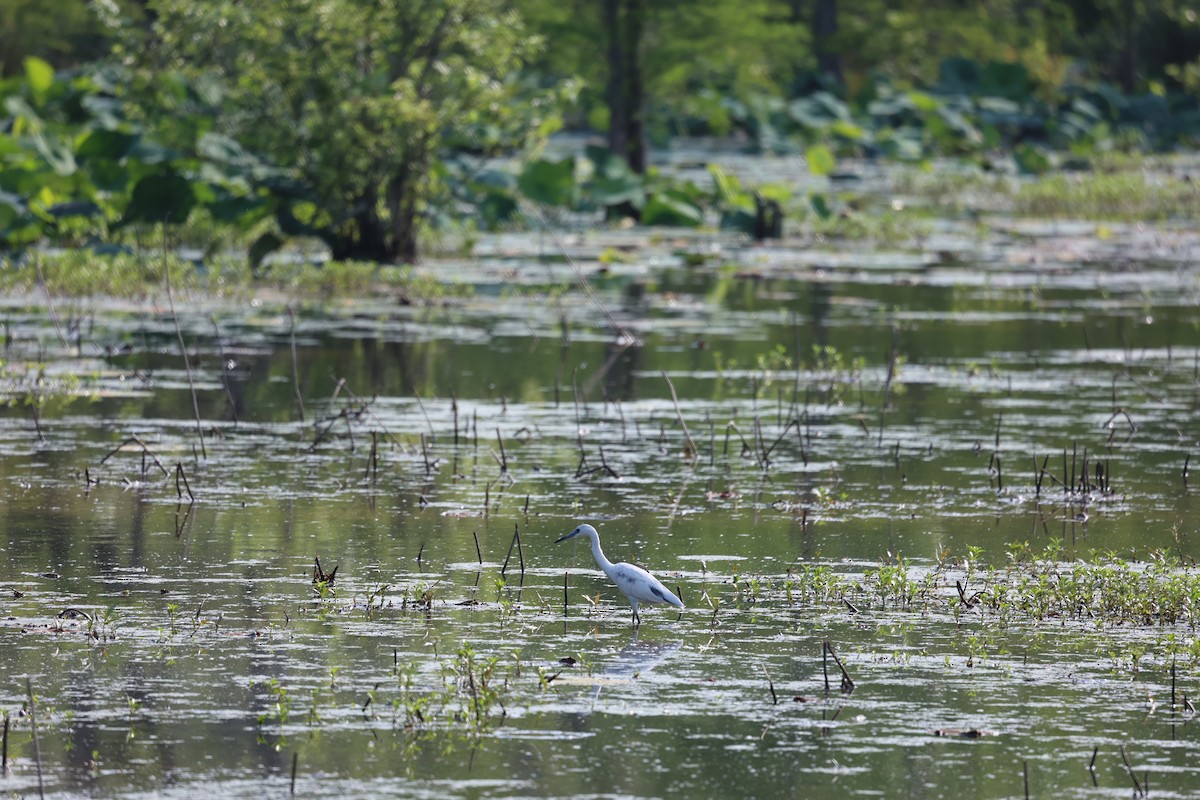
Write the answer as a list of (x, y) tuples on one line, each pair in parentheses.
[(180, 648)]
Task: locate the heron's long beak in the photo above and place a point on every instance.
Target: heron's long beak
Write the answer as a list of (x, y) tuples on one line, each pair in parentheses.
[(564, 538)]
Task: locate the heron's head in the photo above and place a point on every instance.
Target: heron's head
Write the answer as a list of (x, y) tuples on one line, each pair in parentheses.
[(582, 530)]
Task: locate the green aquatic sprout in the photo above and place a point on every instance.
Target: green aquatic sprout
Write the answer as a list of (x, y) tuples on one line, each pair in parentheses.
[(473, 686), (414, 704), (102, 626), (313, 717), (376, 598), (820, 581), (971, 560), (279, 706), (504, 597), (892, 581), (426, 594)]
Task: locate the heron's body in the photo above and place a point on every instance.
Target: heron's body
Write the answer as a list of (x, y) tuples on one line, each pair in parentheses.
[(638, 585)]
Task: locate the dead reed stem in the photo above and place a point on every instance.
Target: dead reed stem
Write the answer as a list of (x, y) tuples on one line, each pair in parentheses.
[(1137, 785), (770, 685), (181, 475), (295, 363), (454, 413), (692, 451), (516, 542), (372, 469), (365, 410), (580, 276), (893, 356), (37, 745), (187, 364), (847, 684), (224, 370), (37, 263), (146, 451)]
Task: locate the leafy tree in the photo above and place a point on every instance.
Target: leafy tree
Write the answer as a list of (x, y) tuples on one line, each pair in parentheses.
[(354, 99)]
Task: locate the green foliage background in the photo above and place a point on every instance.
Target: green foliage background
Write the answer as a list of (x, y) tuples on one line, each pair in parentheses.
[(370, 124)]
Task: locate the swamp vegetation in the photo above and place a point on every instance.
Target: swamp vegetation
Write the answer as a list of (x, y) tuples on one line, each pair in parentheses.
[(322, 321), (926, 496)]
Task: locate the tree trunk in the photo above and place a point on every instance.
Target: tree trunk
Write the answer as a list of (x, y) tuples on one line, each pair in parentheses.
[(618, 109), (1129, 58), (624, 23), (824, 29), (390, 240), (402, 206), (635, 24)]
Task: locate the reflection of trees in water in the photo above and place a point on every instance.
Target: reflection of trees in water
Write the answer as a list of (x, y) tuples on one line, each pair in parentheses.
[(620, 362), (820, 302)]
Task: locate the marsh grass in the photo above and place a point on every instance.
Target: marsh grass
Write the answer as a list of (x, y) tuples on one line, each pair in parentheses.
[(1030, 587), (1120, 196), (1117, 187), (138, 274)]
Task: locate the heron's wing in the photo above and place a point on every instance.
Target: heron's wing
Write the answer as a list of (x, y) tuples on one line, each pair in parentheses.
[(640, 585)]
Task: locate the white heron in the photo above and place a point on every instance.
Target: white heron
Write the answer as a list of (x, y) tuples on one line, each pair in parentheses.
[(638, 585)]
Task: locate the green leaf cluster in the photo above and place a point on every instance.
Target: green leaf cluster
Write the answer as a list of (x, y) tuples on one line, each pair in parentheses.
[(354, 103)]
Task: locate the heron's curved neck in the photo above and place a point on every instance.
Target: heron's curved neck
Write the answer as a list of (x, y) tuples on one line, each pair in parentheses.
[(598, 554)]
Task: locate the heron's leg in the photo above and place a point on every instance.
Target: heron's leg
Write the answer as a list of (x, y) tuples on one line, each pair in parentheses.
[(637, 619)]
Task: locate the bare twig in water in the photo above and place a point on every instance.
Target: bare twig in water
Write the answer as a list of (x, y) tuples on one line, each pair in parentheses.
[(580, 471), (893, 356), (37, 263), (1120, 412), (692, 451), (766, 453), (770, 685), (747, 448), (1137, 785), (588, 291), (372, 468), (969, 602), (827, 650), (181, 475), (516, 542), (146, 451), (320, 575), (295, 363), (37, 745), (355, 409), (187, 364), (225, 361), (503, 453)]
